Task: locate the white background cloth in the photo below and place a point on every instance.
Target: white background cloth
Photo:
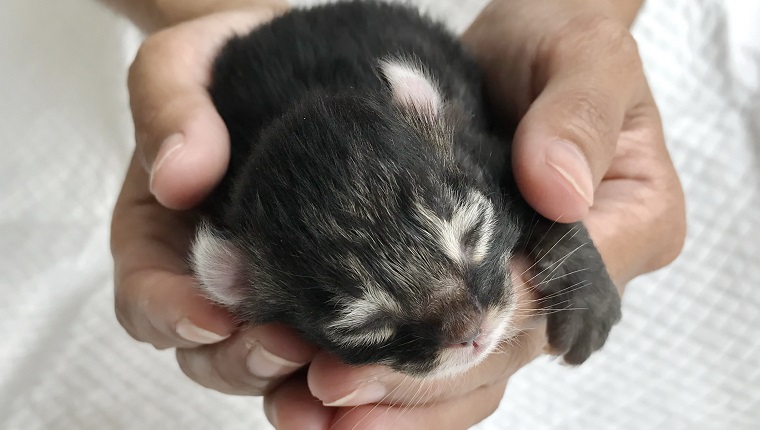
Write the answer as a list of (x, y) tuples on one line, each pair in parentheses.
[(686, 355)]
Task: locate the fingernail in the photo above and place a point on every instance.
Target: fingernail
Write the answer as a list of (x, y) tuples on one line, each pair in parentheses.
[(189, 331), (371, 392), (264, 364), (571, 164), (166, 151)]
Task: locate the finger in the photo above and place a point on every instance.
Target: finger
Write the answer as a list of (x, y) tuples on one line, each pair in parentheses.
[(458, 413), (586, 81), (166, 311), (251, 362), (292, 407), (182, 140), (640, 217), (155, 298)]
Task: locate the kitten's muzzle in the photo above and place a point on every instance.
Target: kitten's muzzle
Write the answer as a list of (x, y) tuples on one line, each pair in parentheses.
[(463, 330), (468, 340)]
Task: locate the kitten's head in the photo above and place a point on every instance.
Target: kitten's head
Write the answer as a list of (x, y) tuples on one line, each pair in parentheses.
[(355, 223)]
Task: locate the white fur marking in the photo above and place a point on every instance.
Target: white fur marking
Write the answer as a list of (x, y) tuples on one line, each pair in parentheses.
[(217, 263), (373, 337), (478, 207), (360, 311), (447, 237), (465, 218), (412, 88)]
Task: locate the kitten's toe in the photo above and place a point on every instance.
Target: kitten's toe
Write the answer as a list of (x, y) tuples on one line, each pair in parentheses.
[(583, 327)]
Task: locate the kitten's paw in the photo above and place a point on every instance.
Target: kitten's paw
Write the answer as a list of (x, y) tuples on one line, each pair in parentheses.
[(578, 322), (576, 293)]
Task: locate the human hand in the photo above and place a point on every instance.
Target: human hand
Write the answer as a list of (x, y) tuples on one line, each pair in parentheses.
[(589, 145), (183, 143), (571, 71), (155, 298), (222, 366)]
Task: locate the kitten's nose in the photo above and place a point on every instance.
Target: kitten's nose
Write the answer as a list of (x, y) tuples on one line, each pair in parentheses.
[(463, 332), (469, 339), (461, 319)]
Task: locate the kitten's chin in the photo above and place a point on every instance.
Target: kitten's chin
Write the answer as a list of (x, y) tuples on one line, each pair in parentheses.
[(497, 327)]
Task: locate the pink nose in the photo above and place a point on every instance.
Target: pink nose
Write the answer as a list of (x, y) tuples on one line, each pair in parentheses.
[(468, 340)]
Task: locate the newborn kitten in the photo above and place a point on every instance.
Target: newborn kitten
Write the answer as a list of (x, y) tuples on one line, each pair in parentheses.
[(370, 203)]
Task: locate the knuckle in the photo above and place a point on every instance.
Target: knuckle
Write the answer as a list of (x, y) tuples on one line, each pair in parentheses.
[(161, 54), (188, 364), (133, 312), (662, 216), (197, 366), (125, 313), (121, 313), (594, 36), (621, 43), (158, 46), (225, 370), (591, 119), (212, 367), (123, 318), (616, 36), (673, 216)]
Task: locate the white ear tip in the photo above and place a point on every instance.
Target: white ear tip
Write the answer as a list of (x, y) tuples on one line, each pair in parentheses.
[(411, 87), (217, 264)]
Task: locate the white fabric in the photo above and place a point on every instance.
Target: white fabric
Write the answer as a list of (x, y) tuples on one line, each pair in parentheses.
[(684, 357)]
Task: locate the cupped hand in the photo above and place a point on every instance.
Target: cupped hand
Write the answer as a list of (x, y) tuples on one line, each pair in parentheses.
[(589, 146), (181, 153)]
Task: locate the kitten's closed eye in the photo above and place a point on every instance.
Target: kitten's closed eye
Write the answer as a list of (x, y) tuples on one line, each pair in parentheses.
[(465, 236), (372, 334), (474, 242)]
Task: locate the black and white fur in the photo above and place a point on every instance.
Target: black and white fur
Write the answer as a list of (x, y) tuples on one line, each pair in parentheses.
[(370, 203)]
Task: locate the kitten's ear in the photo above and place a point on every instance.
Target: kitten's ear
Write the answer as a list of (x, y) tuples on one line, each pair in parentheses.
[(218, 265), (411, 88)]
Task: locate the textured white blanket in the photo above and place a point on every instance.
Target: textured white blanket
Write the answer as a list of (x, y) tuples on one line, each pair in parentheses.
[(686, 355)]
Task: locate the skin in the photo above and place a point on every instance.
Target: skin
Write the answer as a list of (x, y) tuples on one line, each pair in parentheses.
[(574, 76)]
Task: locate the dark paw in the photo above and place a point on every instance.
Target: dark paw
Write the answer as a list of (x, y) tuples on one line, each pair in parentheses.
[(577, 295), (578, 324)]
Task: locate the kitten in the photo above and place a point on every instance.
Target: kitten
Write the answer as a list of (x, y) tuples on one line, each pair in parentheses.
[(370, 204)]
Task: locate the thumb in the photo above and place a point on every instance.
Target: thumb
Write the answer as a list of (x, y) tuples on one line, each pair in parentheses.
[(563, 146), (565, 143), (181, 139)]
